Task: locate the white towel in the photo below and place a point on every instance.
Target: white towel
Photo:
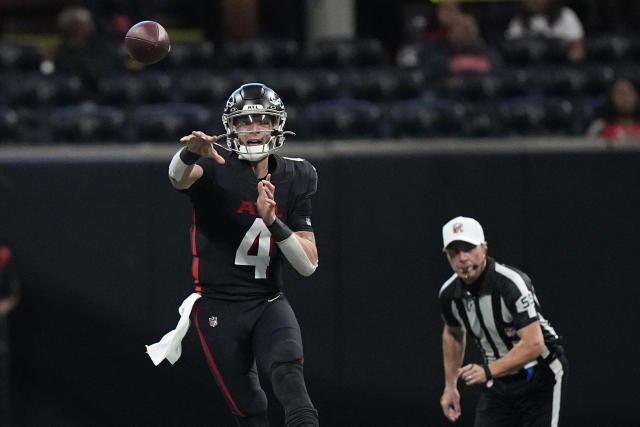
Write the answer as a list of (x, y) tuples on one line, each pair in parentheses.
[(170, 346)]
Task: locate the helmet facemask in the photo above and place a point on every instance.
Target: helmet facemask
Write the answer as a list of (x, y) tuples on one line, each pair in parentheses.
[(251, 151)]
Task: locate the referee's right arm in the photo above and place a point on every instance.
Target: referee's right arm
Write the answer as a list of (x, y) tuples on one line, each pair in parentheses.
[(453, 348)]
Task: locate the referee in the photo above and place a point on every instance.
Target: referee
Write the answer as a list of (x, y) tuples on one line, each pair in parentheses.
[(522, 372)]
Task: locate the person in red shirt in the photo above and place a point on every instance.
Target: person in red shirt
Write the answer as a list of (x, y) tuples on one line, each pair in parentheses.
[(621, 118)]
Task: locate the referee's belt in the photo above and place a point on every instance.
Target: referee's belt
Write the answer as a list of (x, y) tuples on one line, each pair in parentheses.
[(524, 374)]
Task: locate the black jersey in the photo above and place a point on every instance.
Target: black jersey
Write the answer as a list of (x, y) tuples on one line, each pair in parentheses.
[(494, 308), (234, 256)]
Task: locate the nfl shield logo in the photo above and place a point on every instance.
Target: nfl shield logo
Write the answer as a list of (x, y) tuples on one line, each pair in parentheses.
[(213, 321)]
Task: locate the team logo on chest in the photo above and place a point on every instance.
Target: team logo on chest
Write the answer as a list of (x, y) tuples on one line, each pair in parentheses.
[(251, 208)]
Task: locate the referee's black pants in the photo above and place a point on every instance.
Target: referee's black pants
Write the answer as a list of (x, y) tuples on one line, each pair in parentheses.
[(242, 338), (515, 401)]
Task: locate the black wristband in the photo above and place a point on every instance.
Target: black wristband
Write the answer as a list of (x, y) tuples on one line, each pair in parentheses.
[(487, 372), (279, 230), (188, 157)]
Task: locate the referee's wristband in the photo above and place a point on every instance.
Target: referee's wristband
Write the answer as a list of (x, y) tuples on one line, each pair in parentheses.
[(279, 230), (188, 157), (487, 372)]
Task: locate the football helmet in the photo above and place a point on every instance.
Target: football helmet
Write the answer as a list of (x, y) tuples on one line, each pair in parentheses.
[(249, 102)]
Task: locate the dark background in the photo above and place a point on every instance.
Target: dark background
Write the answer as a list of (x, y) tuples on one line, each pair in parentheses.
[(382, 19), (102, 249)]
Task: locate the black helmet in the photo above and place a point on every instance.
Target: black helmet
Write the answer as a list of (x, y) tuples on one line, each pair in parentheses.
[(253, 99)]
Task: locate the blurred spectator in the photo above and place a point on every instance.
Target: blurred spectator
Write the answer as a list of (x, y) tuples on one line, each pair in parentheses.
[(448, 14), (453, 43), (9, 297), (546, 18), (621, 116), (113, 18), (81, 51), (467, 49)]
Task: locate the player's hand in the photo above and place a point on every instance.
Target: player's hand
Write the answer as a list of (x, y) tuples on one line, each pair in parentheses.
[(200, 143), (266, 202), (450, 402), (472, 374)]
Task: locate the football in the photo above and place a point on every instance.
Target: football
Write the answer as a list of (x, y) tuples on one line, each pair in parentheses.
[(147, 42)]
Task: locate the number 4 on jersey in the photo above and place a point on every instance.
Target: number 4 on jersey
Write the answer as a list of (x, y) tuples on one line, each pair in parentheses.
[(258, 236)]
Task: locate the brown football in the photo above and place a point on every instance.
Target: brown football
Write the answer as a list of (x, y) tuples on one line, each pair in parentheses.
[(147, 42)]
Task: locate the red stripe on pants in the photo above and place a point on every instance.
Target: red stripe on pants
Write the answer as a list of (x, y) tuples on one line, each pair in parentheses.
[(216, 373)]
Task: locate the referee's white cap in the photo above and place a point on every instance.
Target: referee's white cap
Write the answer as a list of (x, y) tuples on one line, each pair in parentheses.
[(462, 228)]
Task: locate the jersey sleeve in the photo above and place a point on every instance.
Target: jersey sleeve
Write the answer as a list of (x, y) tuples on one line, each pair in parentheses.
[(202, 184), (519, 299), (306, 186), (446, 303)]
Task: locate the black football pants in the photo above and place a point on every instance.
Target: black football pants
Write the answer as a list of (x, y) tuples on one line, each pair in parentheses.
[(515, 401), (241, 337)]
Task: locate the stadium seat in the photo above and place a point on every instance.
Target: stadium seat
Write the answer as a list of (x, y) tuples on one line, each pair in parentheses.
[(294, 85), (202, 86), (516, 81), (261, 52), (9, 124), (560, 80), (482, 120), (345, 52), (343, 118), (599, 78), (135, 88), (20, 57), (607, 48), (373, 84), (586, 110), (327, 84), (190, 54), (529, 51), (32, 89), (472, 86), (87, 123), (412, 82), (170, 121), (536, 115), (427, 117)]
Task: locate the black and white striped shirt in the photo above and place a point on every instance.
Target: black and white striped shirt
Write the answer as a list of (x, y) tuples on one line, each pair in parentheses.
[(494, 308)]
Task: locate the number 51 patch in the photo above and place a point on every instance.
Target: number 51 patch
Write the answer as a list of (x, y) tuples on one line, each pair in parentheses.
[(525, 304)]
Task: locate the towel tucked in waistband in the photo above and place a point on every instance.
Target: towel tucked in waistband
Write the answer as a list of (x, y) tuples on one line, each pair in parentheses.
[(170, 346)]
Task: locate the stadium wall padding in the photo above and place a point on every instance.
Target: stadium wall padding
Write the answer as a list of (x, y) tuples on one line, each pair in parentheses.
[(102, 248)]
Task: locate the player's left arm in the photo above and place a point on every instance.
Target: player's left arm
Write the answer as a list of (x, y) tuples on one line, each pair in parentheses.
[(299, 248), (308, 241)]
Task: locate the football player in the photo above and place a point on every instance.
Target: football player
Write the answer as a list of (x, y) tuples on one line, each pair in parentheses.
[(252, 210)]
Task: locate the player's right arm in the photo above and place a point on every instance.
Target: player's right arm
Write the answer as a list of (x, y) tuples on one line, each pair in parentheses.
[(183, 170), (453, 348)]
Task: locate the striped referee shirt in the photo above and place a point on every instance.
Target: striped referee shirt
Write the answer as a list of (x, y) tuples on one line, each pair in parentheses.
[(494, 308)]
